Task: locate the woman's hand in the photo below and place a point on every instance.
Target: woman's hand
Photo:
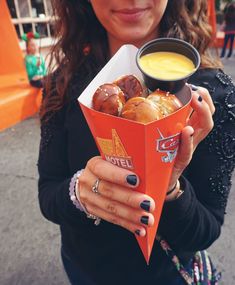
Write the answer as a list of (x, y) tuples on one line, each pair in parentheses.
[(37, 77), (199, 125), (116, 201)]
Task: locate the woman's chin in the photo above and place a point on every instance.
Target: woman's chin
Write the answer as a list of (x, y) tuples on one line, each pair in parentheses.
[(134, 36)]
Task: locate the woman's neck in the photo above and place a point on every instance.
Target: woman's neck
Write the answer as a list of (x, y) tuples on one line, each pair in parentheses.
[(115, 44)]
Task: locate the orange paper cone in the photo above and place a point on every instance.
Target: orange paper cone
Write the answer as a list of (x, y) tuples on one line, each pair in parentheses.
[(149, 150)]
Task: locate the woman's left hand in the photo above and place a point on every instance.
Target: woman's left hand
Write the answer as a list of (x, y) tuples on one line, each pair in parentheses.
[(198, 127)]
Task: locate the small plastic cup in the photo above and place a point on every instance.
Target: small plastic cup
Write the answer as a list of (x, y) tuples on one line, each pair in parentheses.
[(167, 45)]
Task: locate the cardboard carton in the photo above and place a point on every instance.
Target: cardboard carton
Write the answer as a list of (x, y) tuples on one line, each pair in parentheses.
[(147, 149)]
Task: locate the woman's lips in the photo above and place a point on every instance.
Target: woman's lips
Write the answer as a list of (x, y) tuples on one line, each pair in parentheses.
[(130, 15)]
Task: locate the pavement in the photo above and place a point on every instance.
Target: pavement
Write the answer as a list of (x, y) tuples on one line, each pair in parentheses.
[(29, 244)]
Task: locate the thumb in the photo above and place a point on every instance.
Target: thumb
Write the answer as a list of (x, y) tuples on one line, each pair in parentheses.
[(185, 151)]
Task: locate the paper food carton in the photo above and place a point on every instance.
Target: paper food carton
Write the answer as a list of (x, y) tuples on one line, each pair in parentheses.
[(147, 149)]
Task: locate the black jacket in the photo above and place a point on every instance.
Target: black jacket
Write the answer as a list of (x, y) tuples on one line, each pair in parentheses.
[(108, 253)]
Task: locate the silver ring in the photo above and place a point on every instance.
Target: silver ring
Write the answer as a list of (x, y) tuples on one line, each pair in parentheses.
[(95, 186)]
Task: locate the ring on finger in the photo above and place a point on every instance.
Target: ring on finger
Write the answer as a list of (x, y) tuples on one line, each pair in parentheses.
[(95, 186)]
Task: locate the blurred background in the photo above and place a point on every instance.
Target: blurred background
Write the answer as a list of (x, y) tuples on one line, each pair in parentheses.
[(35, 16), (29, 244)]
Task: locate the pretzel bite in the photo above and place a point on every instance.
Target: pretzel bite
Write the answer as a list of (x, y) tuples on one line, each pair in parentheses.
[(168, 103), (131, 86), (141, 110), (108, 98)]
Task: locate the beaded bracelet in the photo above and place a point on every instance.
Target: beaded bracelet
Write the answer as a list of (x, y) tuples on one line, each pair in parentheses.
[(72, 191), (75, 198)]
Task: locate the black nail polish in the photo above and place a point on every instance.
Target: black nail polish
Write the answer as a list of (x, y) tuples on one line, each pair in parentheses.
[(194, 88), (199, 98), (131, 179), (144, 220), (145, 205), (137, 232)]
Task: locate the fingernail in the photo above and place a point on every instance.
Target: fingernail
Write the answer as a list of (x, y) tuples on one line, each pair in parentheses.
[(131, 179), (145, 205), (194, 88), (144, 220), (199, 98), (140, 233)]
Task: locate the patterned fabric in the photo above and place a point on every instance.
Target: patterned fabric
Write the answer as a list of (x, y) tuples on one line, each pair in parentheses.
[(221, 140), (201, 272)]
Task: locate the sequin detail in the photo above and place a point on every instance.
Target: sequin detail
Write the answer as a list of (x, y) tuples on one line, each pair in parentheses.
[(47, 131), (46, 135), (225, 79), (221, 140)]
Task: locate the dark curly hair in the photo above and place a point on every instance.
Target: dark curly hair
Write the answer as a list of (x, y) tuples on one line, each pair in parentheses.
[(82, 41)]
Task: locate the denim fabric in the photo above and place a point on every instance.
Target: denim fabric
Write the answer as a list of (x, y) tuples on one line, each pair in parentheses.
[(227, 38)]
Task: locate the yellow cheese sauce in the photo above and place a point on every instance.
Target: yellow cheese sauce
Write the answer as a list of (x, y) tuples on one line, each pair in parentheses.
[(166, 65)]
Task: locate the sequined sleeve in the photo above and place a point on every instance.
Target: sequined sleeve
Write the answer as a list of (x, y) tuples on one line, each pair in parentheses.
[(194, 221), (221, 141)]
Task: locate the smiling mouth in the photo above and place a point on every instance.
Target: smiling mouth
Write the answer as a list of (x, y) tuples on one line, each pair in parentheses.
[(130, 15)]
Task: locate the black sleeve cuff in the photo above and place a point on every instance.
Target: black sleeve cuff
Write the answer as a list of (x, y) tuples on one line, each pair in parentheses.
[(178, 214), (177, 209), (68, 211)]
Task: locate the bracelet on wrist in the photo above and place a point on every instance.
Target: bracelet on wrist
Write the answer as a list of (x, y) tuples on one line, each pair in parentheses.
[(75, 197), (72, 191), (175, 192), (179, 193), (173, 189)]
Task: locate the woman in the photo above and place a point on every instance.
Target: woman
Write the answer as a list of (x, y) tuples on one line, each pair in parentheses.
[(229, 29), (90, 32)]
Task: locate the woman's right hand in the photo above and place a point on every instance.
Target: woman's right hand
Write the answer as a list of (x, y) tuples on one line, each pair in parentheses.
[(117, 201), (37, 77)]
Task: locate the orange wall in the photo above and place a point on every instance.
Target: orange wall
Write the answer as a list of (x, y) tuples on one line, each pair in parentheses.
[(11, 57), (212, 16)]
